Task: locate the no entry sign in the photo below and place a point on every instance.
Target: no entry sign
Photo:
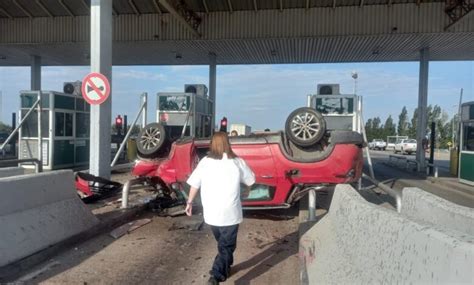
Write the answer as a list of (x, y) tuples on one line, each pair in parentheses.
[(95, 88)]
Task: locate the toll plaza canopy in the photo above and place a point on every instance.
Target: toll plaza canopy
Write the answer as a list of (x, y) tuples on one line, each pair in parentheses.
[(149, 32)]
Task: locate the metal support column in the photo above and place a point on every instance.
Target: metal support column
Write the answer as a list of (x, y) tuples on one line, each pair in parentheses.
[(422, 108), (312, 205), (35, 73), (101, 61), (212, 87)]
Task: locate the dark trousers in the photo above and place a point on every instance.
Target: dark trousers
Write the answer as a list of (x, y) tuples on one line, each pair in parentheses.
[(226, 238)]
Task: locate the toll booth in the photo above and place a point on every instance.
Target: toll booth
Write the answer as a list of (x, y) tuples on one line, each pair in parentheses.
[(466, 152), (341, 111), (191, 109), (65, 123)]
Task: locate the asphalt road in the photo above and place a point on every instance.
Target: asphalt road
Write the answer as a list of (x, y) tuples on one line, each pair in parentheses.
[(267, 253), (398, 178)]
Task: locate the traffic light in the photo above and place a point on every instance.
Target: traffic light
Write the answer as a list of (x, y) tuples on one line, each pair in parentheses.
[(118, 124), (223, 125)]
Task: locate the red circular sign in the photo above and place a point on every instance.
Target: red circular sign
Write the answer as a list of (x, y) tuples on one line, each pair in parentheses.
[(95, 88)]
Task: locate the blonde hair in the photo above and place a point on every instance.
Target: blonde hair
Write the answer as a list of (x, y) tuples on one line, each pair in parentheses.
[(220, 145)]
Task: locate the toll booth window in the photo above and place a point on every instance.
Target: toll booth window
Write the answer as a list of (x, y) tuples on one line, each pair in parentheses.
[(82, 125), (468, 137), (30, 126), (63, 124), (335, 105), (28, 99), (64, 102), (174, 103)]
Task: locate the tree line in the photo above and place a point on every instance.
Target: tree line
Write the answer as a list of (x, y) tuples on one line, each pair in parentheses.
[(407, 126)]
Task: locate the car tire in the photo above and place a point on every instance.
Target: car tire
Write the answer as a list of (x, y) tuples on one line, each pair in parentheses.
[(151, 140), (305, 127)]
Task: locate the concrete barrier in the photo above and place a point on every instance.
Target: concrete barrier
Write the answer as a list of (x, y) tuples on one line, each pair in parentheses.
[(37, 211), (11, 171), (361, 243), (427, 208)]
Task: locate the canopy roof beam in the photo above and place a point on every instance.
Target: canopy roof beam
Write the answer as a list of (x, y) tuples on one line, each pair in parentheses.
[(134, 7), (22, 9), (86, 5), (157, 7), (38, 2), (4, 12), (65, 7), (229, 4), (204, 3), (186, 17), (458, 11)]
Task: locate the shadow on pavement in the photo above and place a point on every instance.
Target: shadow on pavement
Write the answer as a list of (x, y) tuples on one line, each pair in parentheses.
[(267, 259)]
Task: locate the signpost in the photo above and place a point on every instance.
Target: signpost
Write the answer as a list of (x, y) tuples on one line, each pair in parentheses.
[(95, 88)]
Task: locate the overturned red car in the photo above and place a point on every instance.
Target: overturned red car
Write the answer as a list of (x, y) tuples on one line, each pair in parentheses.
[(286, 164)]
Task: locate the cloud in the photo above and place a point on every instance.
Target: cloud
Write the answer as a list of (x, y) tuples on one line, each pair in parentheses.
[(138, 74)]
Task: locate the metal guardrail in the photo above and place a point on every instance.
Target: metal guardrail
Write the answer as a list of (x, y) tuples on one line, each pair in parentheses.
[(392, 192), (38, 164), (405, 159), (429, 166)]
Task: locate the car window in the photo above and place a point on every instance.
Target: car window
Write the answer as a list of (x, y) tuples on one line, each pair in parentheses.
[(410, 141)]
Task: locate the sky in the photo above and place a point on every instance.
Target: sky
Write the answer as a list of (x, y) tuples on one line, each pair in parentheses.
[(262, 96)]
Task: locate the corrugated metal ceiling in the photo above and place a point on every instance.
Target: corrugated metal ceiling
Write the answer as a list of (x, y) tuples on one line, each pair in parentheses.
[(256, 51), (79, 7)]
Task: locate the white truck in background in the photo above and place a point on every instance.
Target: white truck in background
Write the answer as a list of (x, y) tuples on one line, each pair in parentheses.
[(377, 144), (241, 129)]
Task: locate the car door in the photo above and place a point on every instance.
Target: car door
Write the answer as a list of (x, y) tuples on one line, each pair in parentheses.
[(259, 158)]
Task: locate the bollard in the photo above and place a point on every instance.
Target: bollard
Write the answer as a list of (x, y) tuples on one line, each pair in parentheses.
[(312, 205)]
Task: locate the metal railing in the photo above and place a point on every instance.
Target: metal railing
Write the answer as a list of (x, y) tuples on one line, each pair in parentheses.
[(38, 164), (142, 111), (397, 195), (37, 104)]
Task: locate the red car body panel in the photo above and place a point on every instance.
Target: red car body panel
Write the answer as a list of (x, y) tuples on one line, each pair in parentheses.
[(271, 167)]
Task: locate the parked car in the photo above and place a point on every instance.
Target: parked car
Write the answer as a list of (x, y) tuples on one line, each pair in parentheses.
[(286, 164), (377, 144), (405, 146)]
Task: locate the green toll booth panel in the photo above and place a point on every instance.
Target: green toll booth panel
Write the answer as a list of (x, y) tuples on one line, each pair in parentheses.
[(65, 124), (466, 153)]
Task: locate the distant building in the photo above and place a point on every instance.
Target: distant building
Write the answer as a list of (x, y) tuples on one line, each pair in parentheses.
[(241, 129)]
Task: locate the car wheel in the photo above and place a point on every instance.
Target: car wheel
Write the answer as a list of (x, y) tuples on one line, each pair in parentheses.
[(150, 140), (305, 126)]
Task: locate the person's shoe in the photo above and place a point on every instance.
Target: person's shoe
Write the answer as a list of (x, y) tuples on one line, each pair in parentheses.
[(212, 281)]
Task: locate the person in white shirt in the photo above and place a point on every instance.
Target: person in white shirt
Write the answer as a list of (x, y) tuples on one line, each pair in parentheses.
[(219, 176)]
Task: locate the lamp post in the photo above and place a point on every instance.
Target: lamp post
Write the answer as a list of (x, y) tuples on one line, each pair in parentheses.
[(355, 76)]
